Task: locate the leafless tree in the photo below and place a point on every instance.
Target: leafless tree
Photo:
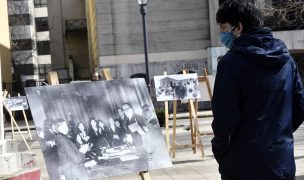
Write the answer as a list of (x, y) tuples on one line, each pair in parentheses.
[(284, 14)]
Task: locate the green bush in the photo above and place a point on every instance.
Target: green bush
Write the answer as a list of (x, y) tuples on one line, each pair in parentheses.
[(160, 113)]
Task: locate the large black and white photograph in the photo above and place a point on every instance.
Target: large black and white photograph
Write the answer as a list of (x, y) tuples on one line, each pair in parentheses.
[(16, 103), (176, 87), (97, 129)]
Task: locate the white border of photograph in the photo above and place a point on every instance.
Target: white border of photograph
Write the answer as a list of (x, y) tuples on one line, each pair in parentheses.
[(16, 103)]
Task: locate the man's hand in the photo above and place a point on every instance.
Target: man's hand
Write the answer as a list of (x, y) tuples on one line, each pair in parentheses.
[(84, 148)]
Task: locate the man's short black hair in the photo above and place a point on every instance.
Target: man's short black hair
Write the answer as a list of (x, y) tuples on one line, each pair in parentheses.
[(244, 11)]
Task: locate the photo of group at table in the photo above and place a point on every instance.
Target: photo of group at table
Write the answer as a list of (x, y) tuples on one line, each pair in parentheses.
[(176, 87), (85, 136)]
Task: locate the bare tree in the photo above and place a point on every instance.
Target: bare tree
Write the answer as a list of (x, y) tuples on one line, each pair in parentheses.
[(284, 14)]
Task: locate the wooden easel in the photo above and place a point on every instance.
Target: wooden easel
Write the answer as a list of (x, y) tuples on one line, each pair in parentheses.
[(26, 122), (204, 79), (53, 78), (194, 128), (106, 73), (167, 122), (25, 119), (13, 121)]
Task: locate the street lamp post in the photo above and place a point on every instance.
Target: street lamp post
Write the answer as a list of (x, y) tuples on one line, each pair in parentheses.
[(143, 12)]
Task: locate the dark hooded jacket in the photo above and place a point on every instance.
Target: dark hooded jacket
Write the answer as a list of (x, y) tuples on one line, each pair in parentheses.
[(258, 103)]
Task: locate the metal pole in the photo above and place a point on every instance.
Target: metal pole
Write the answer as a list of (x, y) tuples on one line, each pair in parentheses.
[(143, 11)]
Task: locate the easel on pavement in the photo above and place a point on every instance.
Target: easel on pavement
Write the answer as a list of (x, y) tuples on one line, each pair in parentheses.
[(13, 121), (167, 122), (204, 79), (194, 128), (106, 73), (25, 119)]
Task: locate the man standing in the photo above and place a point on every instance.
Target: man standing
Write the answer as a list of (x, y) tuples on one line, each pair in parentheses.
[(258, 99)]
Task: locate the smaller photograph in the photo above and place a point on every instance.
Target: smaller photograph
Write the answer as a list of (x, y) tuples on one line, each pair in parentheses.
[(176, 87), (16, 103)]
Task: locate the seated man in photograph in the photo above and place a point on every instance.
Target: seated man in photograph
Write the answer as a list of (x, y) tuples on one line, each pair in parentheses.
[(70, 159), (114, 138)]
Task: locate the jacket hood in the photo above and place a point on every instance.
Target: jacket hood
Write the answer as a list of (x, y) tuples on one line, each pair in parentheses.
[(261, 48)]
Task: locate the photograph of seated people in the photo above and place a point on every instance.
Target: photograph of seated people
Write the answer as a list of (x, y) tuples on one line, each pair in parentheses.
[(100, 142)]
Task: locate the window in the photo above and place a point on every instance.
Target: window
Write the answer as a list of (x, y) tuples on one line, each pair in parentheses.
[(25, 69), (19, 19), (41, 24), (43, 47), (21, 44), (43, 69), (40, 3)]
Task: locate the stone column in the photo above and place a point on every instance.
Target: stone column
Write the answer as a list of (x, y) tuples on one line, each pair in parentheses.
[(216, 49), (214, 30), (213, 54)]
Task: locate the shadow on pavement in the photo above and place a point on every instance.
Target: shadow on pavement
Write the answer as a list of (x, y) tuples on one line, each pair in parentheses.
[(187, 161), (300, 177)]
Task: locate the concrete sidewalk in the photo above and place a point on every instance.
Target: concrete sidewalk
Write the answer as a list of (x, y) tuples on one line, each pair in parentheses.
[(186, 165)]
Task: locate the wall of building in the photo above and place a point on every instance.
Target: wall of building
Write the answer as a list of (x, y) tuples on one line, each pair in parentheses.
[(5, 52), (173, 25), (66, 45), (29, 32), (178, 32), (291, 38)]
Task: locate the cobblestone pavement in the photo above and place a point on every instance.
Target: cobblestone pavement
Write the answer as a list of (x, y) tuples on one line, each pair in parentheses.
[(186, 164)]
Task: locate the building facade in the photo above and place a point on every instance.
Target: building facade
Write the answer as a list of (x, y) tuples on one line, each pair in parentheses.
[(69, 42), (29, 39), (88, 35), (180, 35)]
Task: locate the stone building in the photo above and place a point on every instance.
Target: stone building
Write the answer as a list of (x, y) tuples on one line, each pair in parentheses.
[(29, 39), (180, 35), (93, 34), (87, 35)]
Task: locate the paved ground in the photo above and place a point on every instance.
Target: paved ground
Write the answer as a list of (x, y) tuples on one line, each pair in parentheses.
[(186, 165)]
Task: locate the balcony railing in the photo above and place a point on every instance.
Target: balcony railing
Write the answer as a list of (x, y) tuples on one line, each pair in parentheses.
[(76, 25)]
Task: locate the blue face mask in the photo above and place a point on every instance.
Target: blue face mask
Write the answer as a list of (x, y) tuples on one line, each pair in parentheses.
[(227, 38)]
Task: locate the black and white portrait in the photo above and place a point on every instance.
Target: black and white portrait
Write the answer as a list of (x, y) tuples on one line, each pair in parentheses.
[(16, 103), (97, 129), (176, 87)]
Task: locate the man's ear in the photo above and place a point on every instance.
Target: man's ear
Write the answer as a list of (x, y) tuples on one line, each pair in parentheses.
[(238, 30)]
